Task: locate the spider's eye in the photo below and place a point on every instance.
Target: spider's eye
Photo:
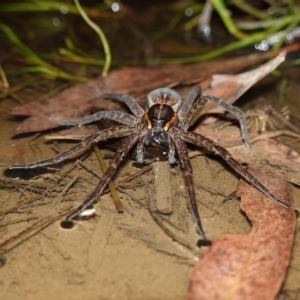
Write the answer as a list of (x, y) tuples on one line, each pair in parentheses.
[(160, 116)]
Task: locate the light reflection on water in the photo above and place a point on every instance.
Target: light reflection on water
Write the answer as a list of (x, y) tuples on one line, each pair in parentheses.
[(289, 38)]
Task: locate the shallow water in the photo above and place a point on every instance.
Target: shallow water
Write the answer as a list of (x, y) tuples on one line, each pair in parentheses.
[(111, 255)]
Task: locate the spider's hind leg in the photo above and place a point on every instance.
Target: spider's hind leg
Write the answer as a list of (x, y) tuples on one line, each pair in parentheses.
[(201, 141), (188, 177)]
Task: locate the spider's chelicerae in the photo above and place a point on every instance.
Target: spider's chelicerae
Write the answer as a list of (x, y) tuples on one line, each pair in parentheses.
[(165, 122)]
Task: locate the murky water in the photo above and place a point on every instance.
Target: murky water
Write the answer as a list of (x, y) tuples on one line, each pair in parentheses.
[(114, 256)]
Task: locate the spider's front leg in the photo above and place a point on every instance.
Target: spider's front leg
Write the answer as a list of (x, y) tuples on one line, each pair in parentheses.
[(201, 141), (189, 117), (129, 101), (114, 115), (115, 132)]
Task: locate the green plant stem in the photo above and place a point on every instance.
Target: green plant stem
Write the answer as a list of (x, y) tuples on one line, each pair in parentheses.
[(27, 52), (54, 73), (244, 6), (227, 20), (101, 35), (291, 26), (282, 90), (40, 65), (171, 25), (39, 5), (266, 24), (250, 40), (291, 6), (4, 81)]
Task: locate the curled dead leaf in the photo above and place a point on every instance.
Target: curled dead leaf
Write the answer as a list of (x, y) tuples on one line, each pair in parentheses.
[(253, 265), (79, 100)]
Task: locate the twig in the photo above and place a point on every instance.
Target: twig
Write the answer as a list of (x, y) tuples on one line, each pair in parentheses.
[(111, 185), (267, 135), (162, 184)]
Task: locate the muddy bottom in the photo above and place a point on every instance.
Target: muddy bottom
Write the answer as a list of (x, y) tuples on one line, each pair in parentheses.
[(138, 254)]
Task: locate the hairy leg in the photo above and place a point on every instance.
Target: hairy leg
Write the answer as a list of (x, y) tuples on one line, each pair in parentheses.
[(188, 103), (188, 177), (201, 141), (129, 101), (126, 145), (114, 132), (193, 115), (114, 115)]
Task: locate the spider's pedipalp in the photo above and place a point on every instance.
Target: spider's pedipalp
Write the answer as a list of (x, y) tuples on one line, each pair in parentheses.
[(129, 101), (114, 115), (164, 96), (118, 131), (201, 141)]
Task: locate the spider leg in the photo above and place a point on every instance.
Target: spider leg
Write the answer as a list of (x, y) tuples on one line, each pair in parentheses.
[(126, 145), (114, 132), (194, 113), (201, 141), (188, 102), (114, 115), (188, 177), (129, 101)]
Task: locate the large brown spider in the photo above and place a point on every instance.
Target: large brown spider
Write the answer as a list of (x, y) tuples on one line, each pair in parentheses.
[(166, 123)]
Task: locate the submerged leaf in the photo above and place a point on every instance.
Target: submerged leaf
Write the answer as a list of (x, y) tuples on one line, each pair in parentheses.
[(253, 265), (79, 100)]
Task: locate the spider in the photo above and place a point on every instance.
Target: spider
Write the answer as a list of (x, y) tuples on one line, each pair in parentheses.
[(165, 122)]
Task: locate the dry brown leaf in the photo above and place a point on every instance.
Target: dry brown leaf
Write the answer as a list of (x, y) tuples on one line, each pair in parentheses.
[(78, 100), (253, 265), (232, 87)]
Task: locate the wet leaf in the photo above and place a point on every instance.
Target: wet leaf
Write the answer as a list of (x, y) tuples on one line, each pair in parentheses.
[(267, 155), (79, 100), (253, 265), (232, 87)]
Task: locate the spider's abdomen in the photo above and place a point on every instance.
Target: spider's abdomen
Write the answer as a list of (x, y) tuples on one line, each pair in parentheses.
[(160, 116)]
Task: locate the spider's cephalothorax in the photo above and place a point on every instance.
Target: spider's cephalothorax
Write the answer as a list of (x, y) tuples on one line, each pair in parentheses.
[(166, 123), (162, 104), (160, 116), (158, 120)]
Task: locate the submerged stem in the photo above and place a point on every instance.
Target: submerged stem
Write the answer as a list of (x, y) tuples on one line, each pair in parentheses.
[(101, 35)]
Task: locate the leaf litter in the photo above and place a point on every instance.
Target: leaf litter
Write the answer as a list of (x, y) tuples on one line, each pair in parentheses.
[(91, 94), (79, 100), (252, 265)]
